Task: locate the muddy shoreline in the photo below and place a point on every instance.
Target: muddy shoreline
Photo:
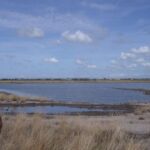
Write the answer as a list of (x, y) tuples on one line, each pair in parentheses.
[(11, 100), (144, 91)]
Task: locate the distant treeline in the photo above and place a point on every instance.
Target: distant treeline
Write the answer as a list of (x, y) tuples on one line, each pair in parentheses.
[(70, 79)]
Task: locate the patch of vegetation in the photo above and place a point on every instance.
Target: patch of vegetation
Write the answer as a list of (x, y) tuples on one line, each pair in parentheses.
[(7, 97), (37, 133)]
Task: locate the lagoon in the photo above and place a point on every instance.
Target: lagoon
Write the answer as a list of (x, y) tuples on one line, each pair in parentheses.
[(81, 92)]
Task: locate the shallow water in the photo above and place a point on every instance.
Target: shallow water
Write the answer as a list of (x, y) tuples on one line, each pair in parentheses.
[(40, 109), (49, 110)]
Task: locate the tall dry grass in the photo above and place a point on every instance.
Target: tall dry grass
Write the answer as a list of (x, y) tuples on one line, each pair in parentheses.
[(36, 133)]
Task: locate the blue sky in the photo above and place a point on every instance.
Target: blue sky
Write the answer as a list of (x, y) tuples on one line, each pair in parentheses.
[(74, 38)]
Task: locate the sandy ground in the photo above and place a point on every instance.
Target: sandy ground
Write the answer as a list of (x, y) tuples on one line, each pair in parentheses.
[(136, 124)]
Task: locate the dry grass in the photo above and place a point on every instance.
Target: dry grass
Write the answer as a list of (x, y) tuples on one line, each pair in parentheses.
[(36, 133), (11, 98)]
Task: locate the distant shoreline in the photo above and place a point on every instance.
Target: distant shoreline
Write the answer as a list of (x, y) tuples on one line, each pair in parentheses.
[(23, 81)]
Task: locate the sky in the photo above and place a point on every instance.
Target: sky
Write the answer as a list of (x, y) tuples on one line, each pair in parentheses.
[(74, 38)]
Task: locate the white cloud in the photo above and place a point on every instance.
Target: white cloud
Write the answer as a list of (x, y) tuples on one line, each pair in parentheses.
[(135, 58), (51, 60), (141, 50), (77, 36), (127, 55), (31, 32)]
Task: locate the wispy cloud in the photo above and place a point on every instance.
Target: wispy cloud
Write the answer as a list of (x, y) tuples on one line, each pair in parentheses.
[(123, 39), (100, 6), (92, 66), (54, 22), (80, 62), (31, 32), (85, 64), (141, 50), (140, 60), (146, 64), (125, 55)]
